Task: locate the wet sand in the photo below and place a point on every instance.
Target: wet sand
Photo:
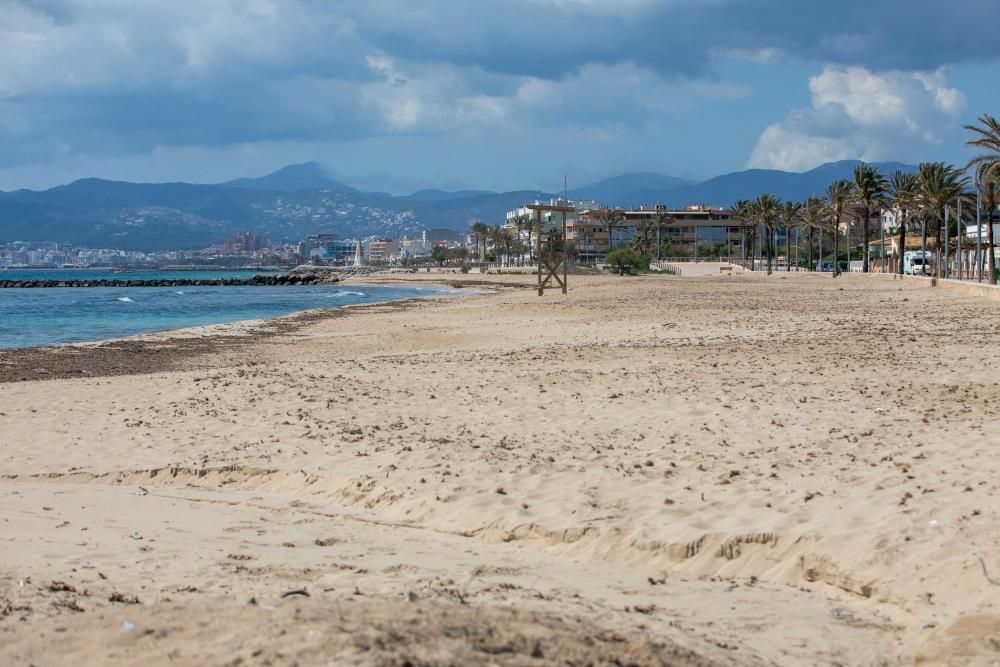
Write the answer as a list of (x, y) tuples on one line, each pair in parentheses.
[(726, 470)]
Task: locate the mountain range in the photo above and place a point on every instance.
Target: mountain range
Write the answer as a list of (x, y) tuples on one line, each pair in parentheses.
[(304, 199)]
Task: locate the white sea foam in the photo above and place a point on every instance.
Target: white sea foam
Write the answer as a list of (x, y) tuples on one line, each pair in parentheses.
[(125, 299), (181, 293)]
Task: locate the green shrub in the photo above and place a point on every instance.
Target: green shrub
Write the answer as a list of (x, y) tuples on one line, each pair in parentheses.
[(624, 261)]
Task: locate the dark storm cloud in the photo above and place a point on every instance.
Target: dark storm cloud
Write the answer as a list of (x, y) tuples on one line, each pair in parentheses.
[(551, 39), (81, 77)]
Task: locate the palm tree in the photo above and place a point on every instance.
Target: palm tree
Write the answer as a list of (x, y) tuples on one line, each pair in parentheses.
[(534, 231), (496, 235), (940, 185), (869, 186), (481, 230), (987, 137), (791, 216), (662, 220), (989, 188), (643, 228), (767, 210), (507, 237), (902, 192), (813, 212), (838, 198), (609, 218), (987, 169), (526, 224), (743, 212), (522, 223)]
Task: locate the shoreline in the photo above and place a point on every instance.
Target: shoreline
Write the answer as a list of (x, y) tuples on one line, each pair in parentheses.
[(172, 349)]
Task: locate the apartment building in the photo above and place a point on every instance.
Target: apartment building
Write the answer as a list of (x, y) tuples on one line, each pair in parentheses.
[(326, 247), (382, 250), (702, 229), (692, 230)]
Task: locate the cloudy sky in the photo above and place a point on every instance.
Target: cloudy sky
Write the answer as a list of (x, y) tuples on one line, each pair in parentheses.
[(498, 94)]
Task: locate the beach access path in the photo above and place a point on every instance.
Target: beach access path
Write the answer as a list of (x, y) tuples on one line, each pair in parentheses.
[(691, 471)]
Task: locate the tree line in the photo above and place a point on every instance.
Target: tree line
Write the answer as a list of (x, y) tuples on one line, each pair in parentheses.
[(938, 199)]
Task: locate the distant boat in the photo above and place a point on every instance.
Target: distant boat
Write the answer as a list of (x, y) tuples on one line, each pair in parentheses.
[(122, 269)]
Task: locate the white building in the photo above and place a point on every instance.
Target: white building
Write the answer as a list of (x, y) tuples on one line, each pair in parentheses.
[(890, 219), (552, 217), (580, 206)]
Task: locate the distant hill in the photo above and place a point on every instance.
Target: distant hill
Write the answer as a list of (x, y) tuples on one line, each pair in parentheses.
[(626, 188), (729, 188), (303, 199), (490, 208), (115, 214), (159, 216), (444, 195), (293, 178), (649, 188)]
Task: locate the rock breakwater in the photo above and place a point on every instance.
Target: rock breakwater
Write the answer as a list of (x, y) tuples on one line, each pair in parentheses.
[(262, 280)]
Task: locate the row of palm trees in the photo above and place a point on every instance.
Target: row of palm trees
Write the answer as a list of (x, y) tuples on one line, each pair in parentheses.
[(934, 197), (506, 242), (936, 200)]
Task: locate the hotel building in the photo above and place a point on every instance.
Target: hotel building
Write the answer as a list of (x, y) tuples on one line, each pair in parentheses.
[(692, 230)]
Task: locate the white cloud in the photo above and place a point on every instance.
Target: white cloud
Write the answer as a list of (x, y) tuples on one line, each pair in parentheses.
[(859, 114)]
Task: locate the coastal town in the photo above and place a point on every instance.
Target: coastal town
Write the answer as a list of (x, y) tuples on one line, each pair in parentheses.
[(592, 230)]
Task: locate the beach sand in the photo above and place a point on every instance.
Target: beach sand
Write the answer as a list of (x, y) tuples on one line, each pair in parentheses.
[(737, 470)]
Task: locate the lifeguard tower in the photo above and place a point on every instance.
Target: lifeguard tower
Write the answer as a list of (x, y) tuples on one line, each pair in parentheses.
[(551, 246)]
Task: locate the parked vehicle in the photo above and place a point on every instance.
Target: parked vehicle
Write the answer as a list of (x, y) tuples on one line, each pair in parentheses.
[(917, 263), (827, 267)]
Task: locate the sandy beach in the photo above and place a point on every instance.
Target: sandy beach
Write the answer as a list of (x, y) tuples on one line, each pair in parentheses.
[(726, 470)]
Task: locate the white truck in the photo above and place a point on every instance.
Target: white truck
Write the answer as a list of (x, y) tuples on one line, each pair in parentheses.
[(918, 262)]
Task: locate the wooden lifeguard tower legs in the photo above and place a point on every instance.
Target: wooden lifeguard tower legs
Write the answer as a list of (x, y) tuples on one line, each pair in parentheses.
[(555, 256)]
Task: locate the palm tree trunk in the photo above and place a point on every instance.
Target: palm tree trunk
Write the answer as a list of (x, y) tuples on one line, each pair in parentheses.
[(809, 248), (767, 250), (819, 260), (902, 241), (836, 254), (774, 248), (864, 241), (938, 268), (991, 249), (836, 249), (881, 245), (788, 248), (761, 243), (923, 234), (847, 245)]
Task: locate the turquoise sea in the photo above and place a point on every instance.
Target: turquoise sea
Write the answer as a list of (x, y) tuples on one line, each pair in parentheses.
[(37, 317)]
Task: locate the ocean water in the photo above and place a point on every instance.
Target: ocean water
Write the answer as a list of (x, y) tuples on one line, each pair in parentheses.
[(36, 317), (108, 274)]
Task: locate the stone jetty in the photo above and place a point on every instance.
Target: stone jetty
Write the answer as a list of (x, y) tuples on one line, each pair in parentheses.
[(261, 280)]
